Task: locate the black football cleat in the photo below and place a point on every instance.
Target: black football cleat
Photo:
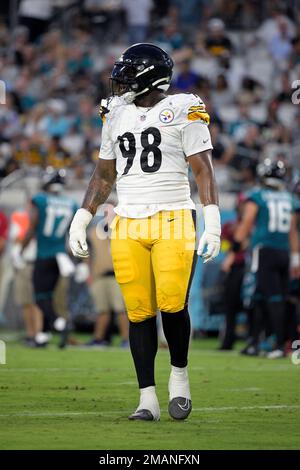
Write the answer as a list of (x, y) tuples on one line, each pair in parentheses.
[(141, 415), (180, 408)]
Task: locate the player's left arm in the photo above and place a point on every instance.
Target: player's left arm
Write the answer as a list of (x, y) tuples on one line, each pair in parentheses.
[(295, 248), (99, 188), (202, 168)]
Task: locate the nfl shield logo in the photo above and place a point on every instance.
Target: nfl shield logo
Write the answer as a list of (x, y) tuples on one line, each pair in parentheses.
[(143, 117)]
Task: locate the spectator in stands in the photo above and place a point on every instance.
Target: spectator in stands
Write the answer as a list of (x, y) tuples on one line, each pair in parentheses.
[(247, 174), (36, 15), (190, 14), (280, 44), (138, 19), (186, 80), (294, 59), (238, 127), (223, 149), (221, 94), (217, 42), (104, 16), (170, 37), (248, 148), (10, 124), (57, 124), (251, 90), (271, 25), (57, 155)]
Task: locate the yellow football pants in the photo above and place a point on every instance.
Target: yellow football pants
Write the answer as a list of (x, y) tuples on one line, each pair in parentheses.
[(153, 261)]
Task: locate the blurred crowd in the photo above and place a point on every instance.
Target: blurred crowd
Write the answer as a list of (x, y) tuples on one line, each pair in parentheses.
[(240, 57)]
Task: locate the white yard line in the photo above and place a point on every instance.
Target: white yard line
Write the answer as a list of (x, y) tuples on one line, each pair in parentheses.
[(125, 412), (246, 389)]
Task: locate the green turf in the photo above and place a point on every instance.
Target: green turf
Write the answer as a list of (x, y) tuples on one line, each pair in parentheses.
[(78, 399)]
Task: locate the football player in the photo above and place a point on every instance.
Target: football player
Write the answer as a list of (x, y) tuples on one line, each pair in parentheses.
[(50, 216), (269, 216), (149, 140)]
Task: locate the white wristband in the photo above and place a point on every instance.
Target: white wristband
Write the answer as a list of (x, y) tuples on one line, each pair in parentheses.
[(212, 219), (81, 220), (295, 259)]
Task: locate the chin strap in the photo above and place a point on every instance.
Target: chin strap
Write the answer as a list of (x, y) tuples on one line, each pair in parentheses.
[(130, 96)]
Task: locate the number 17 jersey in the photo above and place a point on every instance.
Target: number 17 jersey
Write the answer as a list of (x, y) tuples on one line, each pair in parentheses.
[(55, 213), (151, 147)]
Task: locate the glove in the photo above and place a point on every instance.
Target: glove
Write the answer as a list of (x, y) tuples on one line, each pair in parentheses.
[(77, 233), (17, 258), (211, 235)]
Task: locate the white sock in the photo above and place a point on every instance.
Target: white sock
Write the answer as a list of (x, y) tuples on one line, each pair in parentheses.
[(179, 383), (149, 401)]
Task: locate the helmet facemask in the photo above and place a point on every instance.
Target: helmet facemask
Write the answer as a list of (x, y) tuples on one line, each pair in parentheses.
[(136, 76), (122, 79)]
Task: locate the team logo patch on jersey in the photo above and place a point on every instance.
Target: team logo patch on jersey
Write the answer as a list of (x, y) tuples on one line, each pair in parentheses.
[(166, 115)]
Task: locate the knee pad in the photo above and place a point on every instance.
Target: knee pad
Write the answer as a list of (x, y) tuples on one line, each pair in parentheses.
[(170, 296), (137, 316)]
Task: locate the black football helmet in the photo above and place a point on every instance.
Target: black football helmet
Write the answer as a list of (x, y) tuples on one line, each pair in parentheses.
[(53, 180), (272, 173), (140, 69)]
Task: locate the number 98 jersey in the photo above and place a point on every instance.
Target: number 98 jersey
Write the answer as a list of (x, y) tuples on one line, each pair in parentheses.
[(151, 147)]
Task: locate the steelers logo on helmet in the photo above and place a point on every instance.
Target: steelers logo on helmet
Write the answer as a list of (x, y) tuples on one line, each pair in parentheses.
[(166, 115)]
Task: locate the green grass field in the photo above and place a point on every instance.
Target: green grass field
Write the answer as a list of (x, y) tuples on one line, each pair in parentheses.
[(78, 399)]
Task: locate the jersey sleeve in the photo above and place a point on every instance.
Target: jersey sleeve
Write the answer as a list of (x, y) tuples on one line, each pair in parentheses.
[(194, 121), (195, 138), (38, 200), (253, 196), (107, 147)]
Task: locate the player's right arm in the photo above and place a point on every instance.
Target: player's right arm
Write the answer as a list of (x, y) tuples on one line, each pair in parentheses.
[(247, 223), (99, 188), (100, 185)]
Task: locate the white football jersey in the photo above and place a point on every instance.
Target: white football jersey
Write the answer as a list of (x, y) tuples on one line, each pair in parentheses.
[(151, 146)]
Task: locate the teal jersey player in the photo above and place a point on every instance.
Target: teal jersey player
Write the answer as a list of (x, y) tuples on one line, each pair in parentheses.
[(273, 220), (55, 213)]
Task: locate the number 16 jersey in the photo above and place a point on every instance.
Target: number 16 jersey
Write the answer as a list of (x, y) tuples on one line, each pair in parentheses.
[(151, 146)]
